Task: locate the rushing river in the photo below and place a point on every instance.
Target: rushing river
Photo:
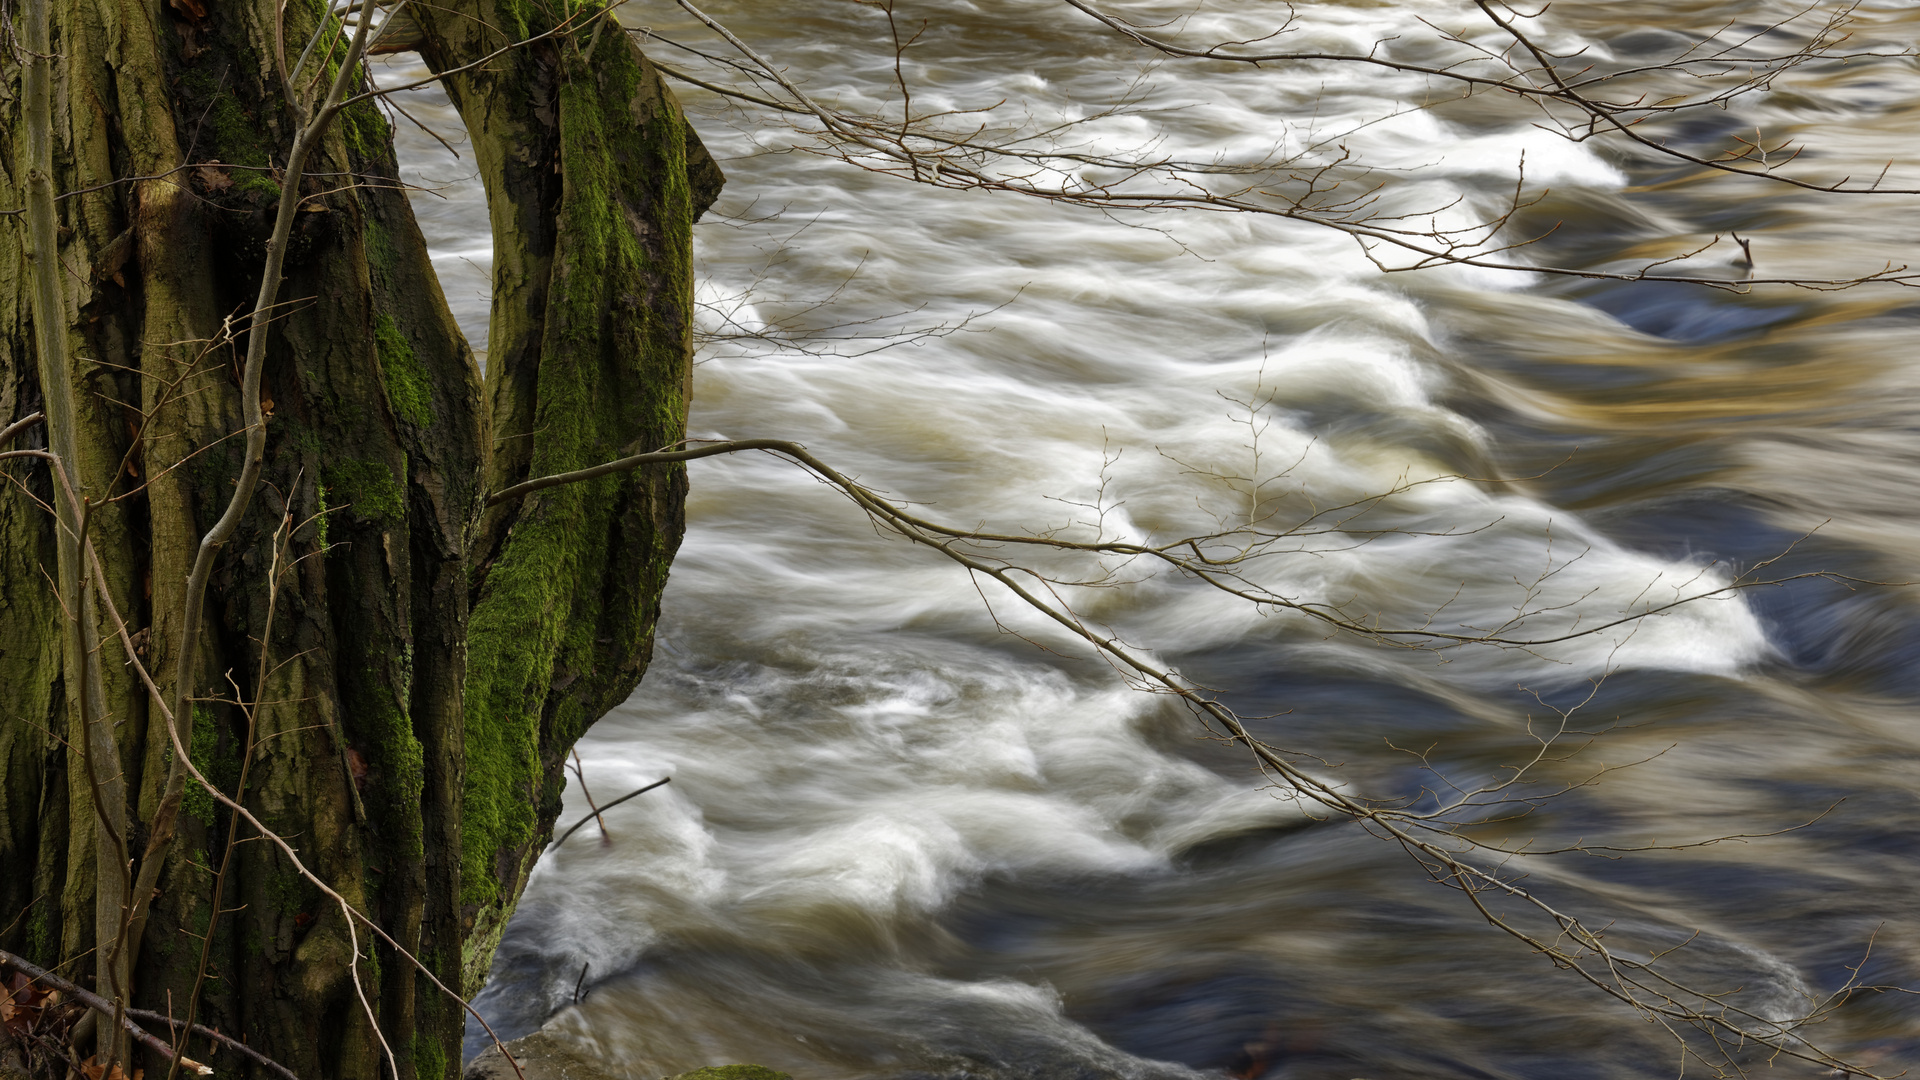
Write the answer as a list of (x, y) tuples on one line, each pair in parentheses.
[(914, 833)]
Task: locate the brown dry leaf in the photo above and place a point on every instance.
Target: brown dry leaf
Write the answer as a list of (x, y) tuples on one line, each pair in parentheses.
[(22, 1004), (93, 1067), (192, 9), (211, 178)]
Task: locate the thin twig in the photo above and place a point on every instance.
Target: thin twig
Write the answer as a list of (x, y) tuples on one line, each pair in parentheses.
[(609, 806), (103, 1007), (227, 1041)]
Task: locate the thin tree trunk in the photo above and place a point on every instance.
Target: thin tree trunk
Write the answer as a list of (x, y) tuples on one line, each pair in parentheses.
[(88, 722), (593, 181)]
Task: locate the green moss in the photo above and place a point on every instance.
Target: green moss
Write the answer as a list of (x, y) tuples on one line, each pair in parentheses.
[(409, 390), (43, 933), (573, 590), (514, 635), (401, 763), (259, 186), (196, 800), (234, 136), (198, 917), (368, 488), (429, 1057), (298, 437), (289, 891), (205, 751), (365, 130), (379, 247), (200, 920)]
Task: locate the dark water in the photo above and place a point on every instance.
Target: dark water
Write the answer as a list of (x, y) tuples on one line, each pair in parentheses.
[(902, 842)]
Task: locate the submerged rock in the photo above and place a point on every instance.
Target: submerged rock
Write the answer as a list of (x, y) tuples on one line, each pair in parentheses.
[(543, 1057)]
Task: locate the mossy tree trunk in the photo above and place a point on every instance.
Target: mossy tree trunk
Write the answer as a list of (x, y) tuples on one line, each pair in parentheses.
[(593, 182), (427, 662)]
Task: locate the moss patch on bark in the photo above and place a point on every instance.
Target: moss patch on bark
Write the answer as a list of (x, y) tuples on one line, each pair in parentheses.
[(563, 623)]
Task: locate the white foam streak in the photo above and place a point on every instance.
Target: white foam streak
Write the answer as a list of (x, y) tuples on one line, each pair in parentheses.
[(848, 727)]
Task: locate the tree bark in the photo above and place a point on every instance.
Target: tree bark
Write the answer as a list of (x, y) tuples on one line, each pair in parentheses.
[(593, 181), (402, 692)]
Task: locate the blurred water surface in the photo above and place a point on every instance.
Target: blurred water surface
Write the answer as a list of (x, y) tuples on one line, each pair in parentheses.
[(902, 841)]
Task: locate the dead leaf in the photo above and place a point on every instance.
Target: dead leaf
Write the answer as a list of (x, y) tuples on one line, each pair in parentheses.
[(23, 1003), (93, 1067), (214, 180), (192, 9)]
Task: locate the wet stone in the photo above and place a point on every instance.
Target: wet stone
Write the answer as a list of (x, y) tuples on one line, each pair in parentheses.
[(543, 1057)]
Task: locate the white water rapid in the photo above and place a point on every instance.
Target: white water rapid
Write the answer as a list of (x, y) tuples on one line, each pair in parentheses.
[(914, 831)]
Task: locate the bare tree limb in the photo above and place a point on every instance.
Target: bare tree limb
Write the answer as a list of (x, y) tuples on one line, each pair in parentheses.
[(113, 1011)]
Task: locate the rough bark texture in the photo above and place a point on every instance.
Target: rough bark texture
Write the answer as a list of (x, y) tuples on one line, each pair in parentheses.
[(593, 182), (427, 666)]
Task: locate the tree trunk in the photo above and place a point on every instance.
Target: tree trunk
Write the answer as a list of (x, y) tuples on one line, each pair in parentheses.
[(593, 182), (396, 671)]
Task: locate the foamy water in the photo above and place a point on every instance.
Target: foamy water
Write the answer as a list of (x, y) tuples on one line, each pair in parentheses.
[(914, 830)]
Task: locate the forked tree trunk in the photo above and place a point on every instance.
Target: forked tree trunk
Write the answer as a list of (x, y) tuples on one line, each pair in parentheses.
[(427, 661)]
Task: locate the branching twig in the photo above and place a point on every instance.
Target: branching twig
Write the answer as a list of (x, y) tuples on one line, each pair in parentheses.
[(111, 1011)]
